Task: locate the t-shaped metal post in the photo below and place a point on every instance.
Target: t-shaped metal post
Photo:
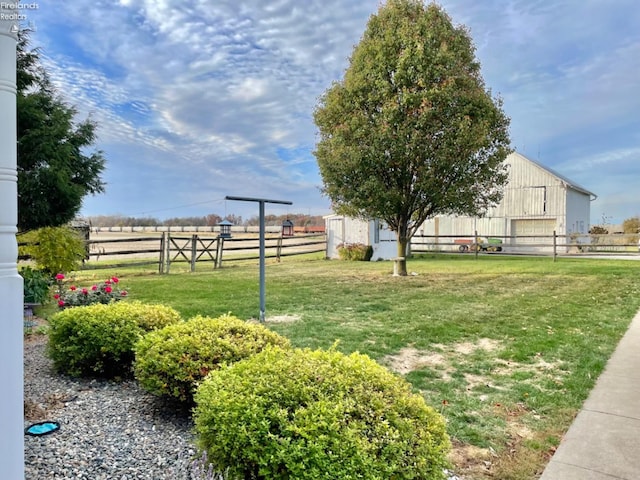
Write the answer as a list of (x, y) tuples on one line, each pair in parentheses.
[(261, 202)]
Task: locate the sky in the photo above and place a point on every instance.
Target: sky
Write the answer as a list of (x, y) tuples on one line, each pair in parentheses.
[(196, 100)]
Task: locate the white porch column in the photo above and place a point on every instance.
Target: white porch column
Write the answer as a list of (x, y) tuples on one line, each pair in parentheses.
[(11, 309)]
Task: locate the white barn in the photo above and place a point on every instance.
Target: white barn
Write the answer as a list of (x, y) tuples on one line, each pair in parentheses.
[(537, 202)]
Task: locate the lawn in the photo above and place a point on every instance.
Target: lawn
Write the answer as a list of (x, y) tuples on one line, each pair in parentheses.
[(506, 348)]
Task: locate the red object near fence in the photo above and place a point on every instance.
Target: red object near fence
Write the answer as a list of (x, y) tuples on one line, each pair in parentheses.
[(308, 229)]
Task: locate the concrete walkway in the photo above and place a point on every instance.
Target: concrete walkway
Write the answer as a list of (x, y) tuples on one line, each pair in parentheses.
[(603, 443)]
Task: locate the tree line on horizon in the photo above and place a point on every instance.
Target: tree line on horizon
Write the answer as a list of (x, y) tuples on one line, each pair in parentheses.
[(210, 220), (629, 225)]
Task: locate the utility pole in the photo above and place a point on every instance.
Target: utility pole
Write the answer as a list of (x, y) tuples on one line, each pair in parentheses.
[(261, 201), (11, 288)]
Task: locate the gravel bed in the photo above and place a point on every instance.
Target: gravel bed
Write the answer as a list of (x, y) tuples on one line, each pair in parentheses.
[(108, 430)]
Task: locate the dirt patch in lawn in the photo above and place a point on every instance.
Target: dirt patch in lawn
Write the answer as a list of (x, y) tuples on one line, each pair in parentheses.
[(552, 369), (441, 357), (409, 359), (467, 348), (277, 319), (282, 319), (471, 461), (486, 377)]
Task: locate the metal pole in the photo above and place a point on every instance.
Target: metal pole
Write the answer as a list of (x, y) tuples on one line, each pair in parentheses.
[(11, 286), (262, 273), (261, 202)]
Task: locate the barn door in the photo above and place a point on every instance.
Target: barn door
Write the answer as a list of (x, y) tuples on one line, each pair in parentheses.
[(528, 232), (335, 236)]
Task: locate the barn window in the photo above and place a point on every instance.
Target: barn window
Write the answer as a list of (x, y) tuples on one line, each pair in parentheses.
[(539, 199)]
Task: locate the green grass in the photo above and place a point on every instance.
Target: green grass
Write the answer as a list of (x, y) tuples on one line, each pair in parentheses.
[(506, 348)]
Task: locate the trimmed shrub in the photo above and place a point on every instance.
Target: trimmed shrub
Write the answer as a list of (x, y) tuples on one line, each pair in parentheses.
[(355, 252), (153, 318), (301, 414), (57, 249), (99, 339), (173, 360)]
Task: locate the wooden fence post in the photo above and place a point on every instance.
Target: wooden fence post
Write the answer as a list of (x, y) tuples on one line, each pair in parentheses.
[(168, 254), (194, 240), (161, 260), (219, 250), (279, 248), (215, 258), (555, 246)]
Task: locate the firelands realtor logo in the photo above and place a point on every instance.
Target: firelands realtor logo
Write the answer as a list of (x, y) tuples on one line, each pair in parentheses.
[(16, 12)]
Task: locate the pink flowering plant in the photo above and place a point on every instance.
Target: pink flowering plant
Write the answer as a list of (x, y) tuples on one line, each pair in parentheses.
[(75, 296)]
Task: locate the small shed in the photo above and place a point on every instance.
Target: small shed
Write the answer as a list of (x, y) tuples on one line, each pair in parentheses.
[(342, 230)]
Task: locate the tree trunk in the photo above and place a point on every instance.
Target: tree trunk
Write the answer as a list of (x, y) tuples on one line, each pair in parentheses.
[(402, 253)]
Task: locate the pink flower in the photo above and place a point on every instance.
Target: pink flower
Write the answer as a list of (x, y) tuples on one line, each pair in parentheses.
[(108, 282), (72, 288), (85, 291), (60, 303), (114, 279), (59, 276), (107, 289), (56, 296), (123, 293), (94, 288)]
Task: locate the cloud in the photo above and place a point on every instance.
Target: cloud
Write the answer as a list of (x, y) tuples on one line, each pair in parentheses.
[(215, 96), (217, 88)]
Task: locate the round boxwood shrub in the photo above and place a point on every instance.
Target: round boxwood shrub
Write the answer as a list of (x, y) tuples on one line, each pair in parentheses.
[(171, 361), (301, 414), (99, 339), (150, 317)]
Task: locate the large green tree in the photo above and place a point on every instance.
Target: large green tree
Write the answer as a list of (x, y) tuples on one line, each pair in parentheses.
[(55, 171), (411, 132)]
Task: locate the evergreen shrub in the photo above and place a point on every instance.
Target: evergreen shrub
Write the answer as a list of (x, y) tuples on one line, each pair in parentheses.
[(173, 360), (301, 414), (357, 252), (98, 339)]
